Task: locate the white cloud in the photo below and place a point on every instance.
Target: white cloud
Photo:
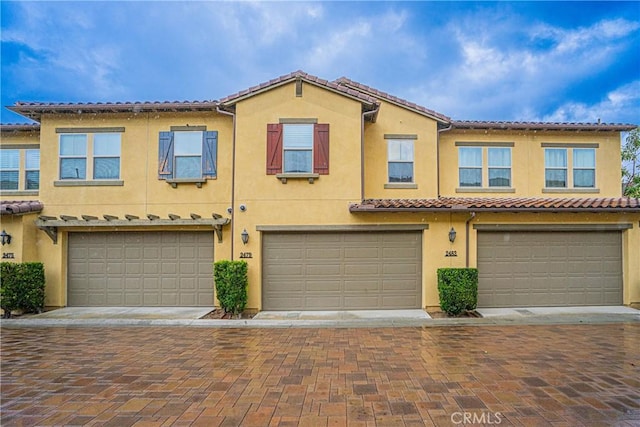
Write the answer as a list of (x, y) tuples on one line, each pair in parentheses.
[(622, 102)]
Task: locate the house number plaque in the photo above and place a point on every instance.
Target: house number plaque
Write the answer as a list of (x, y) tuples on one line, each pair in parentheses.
[(450, 253), (8, 255), (246, 255)]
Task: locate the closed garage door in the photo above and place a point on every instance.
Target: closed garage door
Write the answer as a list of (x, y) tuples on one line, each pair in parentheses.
[(341, 271), (528, 269), (140, 269)]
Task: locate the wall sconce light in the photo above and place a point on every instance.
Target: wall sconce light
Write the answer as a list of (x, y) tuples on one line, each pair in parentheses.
[(452, 235), (244, 236), (5, 237)]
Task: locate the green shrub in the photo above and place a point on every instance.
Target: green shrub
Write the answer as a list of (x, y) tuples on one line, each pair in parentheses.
[(458, 289), (21, 287), (231, 285)]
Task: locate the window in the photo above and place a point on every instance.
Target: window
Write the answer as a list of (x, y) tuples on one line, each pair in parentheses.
[(106, 156), (470, 166), (188, 155), (555, 163), (400, 157), (11, 177), (569, 167), (484, 166), (73, 156), (9, 169), (499, 167), (32, 169), (298, 148), (95, 155), (584, 168)]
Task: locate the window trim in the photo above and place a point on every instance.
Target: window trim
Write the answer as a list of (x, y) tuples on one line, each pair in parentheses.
[(22, 170), (89, 158), (401, 138), (485, 182), (570, 148)]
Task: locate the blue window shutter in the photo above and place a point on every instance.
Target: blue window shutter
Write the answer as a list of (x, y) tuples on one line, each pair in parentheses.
[(165, 156), (209, 154)]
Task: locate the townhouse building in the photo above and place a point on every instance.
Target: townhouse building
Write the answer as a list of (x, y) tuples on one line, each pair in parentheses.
[(338, 195)]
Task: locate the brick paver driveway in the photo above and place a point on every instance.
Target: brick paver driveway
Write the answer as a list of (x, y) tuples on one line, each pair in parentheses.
[(509, 375)]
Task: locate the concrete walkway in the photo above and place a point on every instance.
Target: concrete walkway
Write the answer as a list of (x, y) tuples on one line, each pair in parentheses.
[(190, 316)]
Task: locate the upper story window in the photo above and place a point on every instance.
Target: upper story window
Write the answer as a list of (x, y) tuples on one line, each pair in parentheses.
[(561, 164), (187, 153), (297, 147), (480, 163), (12, 162), (400, 160), (90, 156)]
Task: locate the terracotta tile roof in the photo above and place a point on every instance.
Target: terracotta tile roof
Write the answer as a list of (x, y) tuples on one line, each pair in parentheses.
[(516, 204), (34, 110), (20, 207), (475, 124), (393, 99), (287, 78), (19, 127)]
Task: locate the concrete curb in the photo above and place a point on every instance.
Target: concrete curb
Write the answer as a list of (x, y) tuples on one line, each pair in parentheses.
[(327, 323)]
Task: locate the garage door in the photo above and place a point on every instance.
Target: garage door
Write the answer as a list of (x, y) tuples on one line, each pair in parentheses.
[(520, 269), (331, 271), (140, 269)]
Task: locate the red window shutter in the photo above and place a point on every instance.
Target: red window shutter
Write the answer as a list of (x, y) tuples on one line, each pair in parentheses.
[(274, 148), (321, 148)]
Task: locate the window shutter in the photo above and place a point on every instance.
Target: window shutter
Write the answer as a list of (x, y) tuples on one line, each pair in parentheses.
[(209, 154), (321, 148), (165, 156), (274, 148)]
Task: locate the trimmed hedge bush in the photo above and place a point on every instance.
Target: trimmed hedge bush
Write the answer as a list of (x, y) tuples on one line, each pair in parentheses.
[(231, 285), (21, 287), (458, 289)]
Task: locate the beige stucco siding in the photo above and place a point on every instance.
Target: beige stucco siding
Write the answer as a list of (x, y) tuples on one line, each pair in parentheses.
[(528, 164)]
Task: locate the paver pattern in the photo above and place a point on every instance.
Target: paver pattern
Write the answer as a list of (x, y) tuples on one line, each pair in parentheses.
[(559, 375)]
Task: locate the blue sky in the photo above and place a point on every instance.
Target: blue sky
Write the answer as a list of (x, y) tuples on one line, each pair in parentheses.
[(549, 61)]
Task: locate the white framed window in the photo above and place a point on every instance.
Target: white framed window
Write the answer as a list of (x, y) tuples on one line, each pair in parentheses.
[(188, 154), (9, 169), (400, 156), (32, 169), (584, 168), (106, 156), (298, 148), (73, 156), (555, 164), (499, 159), (470, 166), (20, 169), (95, 155)]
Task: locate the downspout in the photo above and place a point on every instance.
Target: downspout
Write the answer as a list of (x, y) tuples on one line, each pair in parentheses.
[(438, 158), (466, 226), (365, 114), (233, 176)]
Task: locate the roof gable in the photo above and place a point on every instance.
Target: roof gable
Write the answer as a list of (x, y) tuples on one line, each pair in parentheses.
[(369, 102)]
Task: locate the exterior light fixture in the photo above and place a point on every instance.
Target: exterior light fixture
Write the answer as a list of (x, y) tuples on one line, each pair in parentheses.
[(244, 236), (452, 235), (5, 237)]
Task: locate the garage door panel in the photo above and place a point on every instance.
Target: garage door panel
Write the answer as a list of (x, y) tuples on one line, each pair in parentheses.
[(140, 268), (551, 268), (353, 267)]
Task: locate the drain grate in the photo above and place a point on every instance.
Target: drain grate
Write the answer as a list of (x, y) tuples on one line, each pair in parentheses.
[(524, 312)]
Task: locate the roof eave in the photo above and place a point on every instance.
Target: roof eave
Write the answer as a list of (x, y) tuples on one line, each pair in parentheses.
[(371, 209)]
